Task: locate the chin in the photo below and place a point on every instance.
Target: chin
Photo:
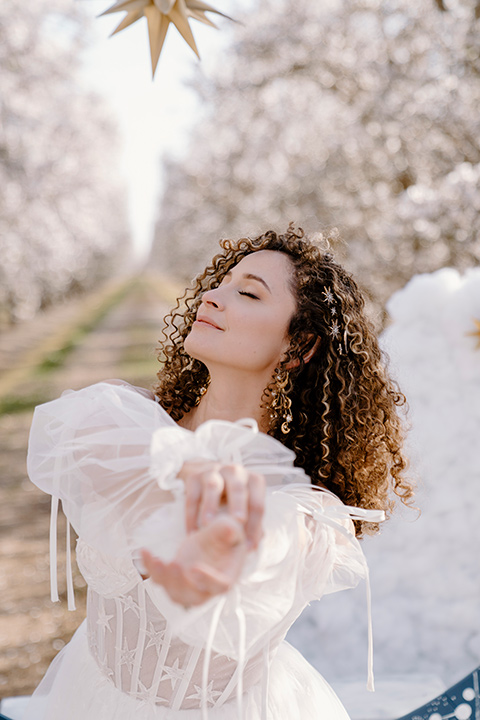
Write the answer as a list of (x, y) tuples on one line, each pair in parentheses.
[(193, 351)]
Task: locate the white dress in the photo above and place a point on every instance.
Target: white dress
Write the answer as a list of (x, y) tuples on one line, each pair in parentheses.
[(111, 454)]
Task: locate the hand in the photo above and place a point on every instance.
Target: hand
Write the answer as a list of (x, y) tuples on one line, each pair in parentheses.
[(207, 563), (210, 485)]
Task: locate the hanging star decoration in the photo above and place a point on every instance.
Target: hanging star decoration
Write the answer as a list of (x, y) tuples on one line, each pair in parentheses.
[(476, 333), (159, 14)]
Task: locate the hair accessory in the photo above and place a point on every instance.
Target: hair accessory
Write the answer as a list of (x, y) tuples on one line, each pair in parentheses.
[(328, 296), (281, 403), (335, 329)]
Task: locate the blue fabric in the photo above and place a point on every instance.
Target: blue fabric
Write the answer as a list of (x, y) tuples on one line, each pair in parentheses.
[(460, 702)]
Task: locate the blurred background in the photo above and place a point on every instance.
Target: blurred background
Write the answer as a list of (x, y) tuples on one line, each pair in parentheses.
[(362, 116)]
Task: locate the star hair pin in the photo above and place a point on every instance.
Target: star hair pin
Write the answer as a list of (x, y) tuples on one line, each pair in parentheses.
[(328, 296), (335, 329)]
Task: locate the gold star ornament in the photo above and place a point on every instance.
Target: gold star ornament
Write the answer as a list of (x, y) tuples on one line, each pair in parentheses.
[(476, 334), (159, 14)]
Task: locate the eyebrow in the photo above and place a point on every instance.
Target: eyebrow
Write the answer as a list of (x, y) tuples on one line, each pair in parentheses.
[(251, 276)]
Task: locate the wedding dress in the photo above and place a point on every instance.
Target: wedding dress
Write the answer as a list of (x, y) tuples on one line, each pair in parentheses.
[(111, 454)]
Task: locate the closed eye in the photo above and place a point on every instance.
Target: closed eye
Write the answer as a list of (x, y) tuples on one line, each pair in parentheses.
[(248, 294)]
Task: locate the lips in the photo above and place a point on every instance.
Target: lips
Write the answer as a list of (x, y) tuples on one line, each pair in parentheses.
[(206, 321)]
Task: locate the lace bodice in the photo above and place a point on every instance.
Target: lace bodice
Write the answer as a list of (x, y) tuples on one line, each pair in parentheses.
[(134, 645), (136, 649)]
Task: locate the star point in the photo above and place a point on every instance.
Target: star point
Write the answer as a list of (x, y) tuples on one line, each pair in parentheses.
[(155, 638), (174, 673), (130, 604), (159, 14), (127, 657), (328, 296), (334, 329), (103, 619), (211, 695)]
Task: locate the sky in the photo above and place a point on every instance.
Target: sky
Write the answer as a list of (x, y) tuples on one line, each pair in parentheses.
[(154, 116)]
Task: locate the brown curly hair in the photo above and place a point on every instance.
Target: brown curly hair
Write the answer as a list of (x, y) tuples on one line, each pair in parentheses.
[(345, 429)]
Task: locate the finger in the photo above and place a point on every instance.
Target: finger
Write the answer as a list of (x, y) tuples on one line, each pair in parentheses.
[(222, 535), (212, 489), (192, 475), (236, 485), (256, 509), (193, 495)]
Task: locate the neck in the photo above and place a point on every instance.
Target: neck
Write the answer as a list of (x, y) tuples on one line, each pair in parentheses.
[(230, 398)]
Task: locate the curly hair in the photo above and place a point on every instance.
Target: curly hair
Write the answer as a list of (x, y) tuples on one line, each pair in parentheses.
[(345, 427)]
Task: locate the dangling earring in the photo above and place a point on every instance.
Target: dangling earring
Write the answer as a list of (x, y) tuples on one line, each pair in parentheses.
[(281, 404), (202, 390)]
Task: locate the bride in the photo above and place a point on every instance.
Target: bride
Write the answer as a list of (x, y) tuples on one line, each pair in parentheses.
[(212, 510)]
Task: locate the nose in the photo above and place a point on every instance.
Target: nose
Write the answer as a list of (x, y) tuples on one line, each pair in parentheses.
[(213, 298)]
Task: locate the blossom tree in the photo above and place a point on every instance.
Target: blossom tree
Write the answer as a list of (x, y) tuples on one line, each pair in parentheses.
[(363, 115), (62, 225)]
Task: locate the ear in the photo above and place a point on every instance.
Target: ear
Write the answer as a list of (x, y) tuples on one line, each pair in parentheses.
[(308, 355), (312, 351)]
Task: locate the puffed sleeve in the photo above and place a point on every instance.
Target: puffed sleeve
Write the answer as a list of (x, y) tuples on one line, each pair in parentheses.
[(91, 449), (333, 557)]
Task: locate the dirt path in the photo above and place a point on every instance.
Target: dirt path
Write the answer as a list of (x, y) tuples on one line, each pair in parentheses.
[(32, 629)]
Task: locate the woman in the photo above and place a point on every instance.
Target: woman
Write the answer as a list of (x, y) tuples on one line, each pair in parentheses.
[(201, 536)]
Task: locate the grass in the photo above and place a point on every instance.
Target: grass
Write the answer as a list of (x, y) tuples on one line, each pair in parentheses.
[(11, 404), (56, 357), (138, 361)]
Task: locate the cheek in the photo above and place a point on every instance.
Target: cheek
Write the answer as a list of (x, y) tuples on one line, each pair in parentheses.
[(264, 338)]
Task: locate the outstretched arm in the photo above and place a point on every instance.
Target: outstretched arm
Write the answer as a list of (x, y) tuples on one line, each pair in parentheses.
[(224, 507)]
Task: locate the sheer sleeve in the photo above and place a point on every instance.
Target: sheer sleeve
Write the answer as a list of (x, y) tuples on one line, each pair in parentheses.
[(91, 449), (333, 557)]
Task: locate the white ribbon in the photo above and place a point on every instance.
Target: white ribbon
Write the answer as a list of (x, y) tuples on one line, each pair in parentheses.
[(57, 471), (208, 651)]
